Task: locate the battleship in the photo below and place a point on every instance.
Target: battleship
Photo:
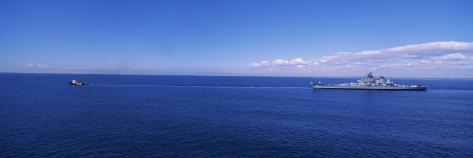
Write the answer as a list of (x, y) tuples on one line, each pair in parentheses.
[(369, 82)]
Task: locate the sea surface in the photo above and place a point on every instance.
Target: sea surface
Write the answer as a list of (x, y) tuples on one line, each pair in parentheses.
[(205, 116)]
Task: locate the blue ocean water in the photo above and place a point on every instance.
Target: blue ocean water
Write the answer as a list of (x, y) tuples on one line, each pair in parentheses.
[(204, 116)]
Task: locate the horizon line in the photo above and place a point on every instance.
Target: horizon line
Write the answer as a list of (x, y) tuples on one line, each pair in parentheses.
[(274, 76)]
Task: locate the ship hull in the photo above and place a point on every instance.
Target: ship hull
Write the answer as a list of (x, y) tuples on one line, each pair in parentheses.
[(420, 88)]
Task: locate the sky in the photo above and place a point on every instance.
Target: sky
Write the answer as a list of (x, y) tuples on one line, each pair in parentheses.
[(402, 38)]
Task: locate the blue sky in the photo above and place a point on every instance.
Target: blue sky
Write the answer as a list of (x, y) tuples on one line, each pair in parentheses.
[(238, 37)]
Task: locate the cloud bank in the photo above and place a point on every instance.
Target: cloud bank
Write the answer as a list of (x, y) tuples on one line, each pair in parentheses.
[(446, 55)]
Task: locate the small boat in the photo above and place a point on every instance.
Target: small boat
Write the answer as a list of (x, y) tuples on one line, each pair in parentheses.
[(77, 83)]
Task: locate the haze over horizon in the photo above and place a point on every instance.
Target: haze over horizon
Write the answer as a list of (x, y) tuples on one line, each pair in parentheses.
[(252, 38)]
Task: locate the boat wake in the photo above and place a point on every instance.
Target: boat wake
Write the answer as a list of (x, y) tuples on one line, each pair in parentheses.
[(451, 91), (196, 86)]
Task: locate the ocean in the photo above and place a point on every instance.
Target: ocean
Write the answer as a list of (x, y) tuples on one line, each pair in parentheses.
[(210, 116)]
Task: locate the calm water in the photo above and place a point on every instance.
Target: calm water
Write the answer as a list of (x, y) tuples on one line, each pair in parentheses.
[(192, 116)]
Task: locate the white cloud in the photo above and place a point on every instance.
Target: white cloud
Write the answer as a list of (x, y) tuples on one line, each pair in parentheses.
[(297, 62), (434, 46), (453, 56), (32, 65), (280, 62), (425, 55), (263, 63), (400, 53), (425, 61)]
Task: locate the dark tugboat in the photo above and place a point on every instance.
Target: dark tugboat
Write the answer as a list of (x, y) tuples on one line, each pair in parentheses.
[(77, 83)]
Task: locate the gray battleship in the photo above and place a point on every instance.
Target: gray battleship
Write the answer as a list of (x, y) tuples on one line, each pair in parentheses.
[(368, 82)]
